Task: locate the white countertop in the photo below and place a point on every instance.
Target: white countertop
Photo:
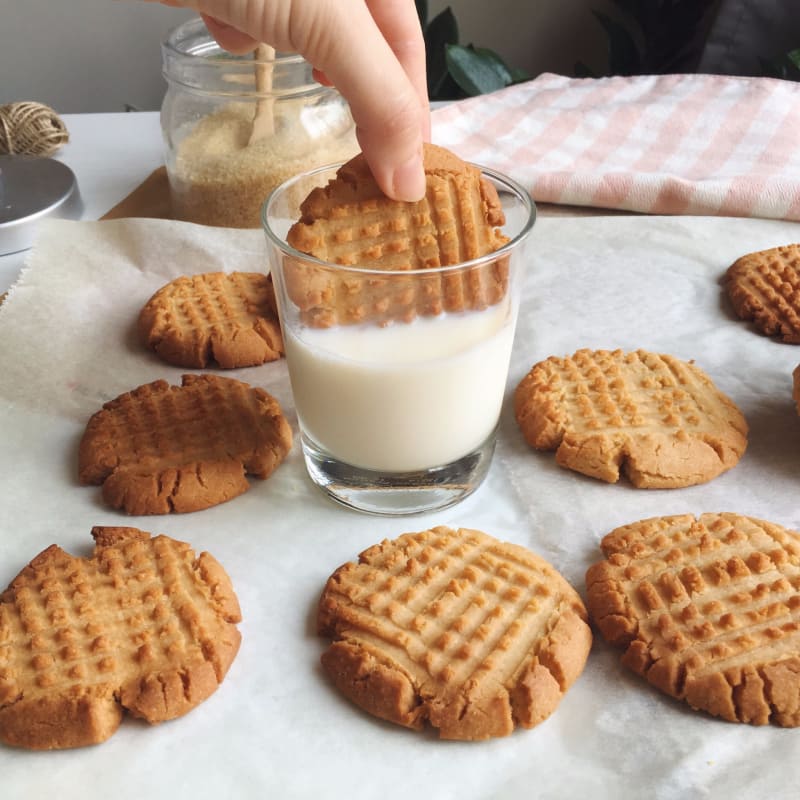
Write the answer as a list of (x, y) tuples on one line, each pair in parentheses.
[(110, 154)]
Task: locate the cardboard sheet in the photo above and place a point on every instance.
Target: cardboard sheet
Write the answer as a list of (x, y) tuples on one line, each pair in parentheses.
[(276, 728)]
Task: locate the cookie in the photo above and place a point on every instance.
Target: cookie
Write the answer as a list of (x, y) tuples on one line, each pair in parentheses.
[(765, 287), (143, 625), (706, 609), (454, 628), (163, 448), (659, 421), (350, 222), (225, 319)]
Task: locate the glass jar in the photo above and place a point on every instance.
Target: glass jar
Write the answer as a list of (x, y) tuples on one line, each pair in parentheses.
[(220, 171)]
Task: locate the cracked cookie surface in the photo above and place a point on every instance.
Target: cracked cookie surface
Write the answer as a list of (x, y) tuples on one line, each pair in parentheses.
[(658, 420), (707, 609), (454, 628), (143, 624), (215, 318), (162, 448)]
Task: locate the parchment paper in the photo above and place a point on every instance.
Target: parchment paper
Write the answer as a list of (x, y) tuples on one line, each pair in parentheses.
[(276, 728)]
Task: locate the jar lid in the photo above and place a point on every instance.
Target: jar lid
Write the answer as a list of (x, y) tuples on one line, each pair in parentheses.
[(33, 189)]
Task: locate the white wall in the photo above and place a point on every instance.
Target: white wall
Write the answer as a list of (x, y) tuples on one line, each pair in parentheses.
[(99, 55), (84, 55)]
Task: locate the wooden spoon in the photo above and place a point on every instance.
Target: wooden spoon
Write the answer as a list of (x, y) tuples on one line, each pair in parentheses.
[(264, 118)]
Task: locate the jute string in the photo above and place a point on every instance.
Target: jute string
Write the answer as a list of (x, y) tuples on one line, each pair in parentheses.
[(29, 128)]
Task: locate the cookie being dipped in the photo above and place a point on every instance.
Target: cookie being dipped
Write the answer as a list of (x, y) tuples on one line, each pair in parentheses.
[(350, 222)]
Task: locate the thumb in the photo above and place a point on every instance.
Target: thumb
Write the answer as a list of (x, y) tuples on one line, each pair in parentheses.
[(391, 140)]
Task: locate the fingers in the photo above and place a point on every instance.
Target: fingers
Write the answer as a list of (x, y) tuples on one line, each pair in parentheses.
[(398, 21), (228, 37), (346, 44), (371, 50)]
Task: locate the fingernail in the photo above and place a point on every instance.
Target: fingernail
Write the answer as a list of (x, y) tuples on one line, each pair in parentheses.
[(408, 180)]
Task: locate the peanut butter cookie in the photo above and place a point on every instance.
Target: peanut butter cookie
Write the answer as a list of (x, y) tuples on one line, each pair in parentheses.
[(454, 628), (765, 287), (658, 420), (224, 319), (142, 625), (162, 448), (706, 609), (350, 222)]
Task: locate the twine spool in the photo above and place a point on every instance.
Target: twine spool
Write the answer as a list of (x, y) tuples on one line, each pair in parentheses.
[(29, 128)]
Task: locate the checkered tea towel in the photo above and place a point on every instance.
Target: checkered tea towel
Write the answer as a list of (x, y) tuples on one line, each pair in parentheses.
[(658, 144)]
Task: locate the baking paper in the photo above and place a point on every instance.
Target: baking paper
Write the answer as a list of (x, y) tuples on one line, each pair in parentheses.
[(276, 728)]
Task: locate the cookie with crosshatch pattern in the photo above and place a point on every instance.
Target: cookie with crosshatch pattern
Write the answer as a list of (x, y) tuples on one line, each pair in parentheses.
[(143, 624), (765, 287), (350, 222), (226, 319), (162, 448), (453, 628), (707, 609), (660, 421)]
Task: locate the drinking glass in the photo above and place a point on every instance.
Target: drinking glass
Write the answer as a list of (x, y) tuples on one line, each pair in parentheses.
[(398, 376)]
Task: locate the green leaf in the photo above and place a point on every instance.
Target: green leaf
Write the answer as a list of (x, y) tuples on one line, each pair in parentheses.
[(441, 32), (519, 75), (623, 54), (581, 70), (422, 12), (493, 59), (449, 90), (794, 57), (477, 70)]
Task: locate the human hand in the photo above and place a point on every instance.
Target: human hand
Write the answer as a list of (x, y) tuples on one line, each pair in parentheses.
[(371, 50)]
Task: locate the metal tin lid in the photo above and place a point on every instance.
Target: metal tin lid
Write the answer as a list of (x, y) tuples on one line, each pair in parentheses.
[(33, 189)]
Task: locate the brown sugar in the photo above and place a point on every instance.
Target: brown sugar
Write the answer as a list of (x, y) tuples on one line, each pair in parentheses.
[(219, 179)]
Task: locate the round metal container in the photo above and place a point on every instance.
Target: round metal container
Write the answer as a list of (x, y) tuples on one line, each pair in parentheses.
[(33, 189)]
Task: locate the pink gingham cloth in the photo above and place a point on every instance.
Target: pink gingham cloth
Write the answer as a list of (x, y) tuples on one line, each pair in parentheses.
[(658, 144)]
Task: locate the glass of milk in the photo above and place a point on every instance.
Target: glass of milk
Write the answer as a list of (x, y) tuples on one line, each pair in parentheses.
[(398, 376)]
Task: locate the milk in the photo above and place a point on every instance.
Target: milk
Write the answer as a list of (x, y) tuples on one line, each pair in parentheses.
[(403, 397)]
